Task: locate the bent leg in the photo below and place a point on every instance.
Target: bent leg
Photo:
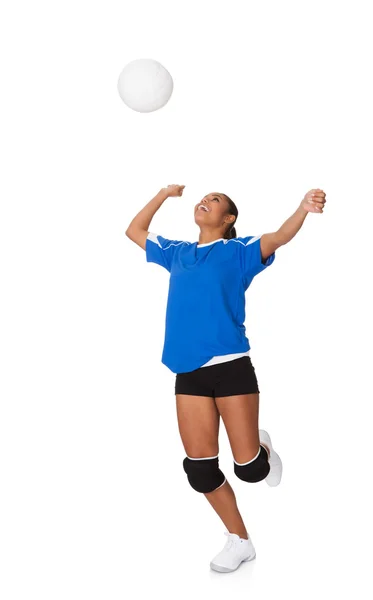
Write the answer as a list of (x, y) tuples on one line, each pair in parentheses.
[(240, 415)]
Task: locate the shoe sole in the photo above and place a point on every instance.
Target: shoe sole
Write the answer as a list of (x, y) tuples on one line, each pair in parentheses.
[(278, 466), (265, 437), (226, 570)]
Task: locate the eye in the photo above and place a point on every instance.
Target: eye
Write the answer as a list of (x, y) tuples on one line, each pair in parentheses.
[(215, 198)]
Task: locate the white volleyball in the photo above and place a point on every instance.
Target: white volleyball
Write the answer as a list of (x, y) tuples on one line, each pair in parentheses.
[(145, 85)]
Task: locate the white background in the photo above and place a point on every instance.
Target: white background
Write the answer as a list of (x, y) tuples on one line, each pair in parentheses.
[(270, 100)]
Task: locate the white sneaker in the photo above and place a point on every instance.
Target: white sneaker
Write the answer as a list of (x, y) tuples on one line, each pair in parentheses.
[(235, 551), (274, 476)]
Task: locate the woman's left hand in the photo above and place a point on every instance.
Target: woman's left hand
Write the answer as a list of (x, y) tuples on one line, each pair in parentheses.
[(314, 201)]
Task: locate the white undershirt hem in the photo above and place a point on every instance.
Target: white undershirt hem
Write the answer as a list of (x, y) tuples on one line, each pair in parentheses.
[(215, 360)]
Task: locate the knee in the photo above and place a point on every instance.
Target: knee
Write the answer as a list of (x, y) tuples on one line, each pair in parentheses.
[(204, 474), (255, 470)]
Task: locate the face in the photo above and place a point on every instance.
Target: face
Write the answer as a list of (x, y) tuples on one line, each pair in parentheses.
[(212, 210)]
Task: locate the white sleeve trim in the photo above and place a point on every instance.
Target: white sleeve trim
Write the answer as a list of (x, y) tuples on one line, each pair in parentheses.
[(254, 239), (153, 237)]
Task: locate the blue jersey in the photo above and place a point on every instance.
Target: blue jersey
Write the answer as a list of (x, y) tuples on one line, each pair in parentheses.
[(206, 298)]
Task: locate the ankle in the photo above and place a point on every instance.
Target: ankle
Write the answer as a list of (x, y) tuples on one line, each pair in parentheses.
[(241, 534)]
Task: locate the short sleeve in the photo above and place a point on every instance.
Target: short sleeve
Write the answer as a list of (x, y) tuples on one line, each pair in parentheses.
[(250, 256), (160, 250)]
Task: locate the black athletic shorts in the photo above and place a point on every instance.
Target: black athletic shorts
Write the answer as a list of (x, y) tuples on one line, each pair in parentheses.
[(230, 378)]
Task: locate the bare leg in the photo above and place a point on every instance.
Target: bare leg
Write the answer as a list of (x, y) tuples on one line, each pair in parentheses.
[(198, 421), (240, 415), (223, 501)]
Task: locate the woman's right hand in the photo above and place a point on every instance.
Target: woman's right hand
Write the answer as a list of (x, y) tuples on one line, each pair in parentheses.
[(174, 190)]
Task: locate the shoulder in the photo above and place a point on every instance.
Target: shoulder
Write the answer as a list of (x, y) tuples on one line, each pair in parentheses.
[(165, 243), (243, 241)]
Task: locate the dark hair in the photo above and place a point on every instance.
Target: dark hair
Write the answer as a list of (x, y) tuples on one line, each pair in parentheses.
[(231, 230)]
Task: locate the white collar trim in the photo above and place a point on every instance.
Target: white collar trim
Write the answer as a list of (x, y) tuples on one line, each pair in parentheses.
[(209, 243)]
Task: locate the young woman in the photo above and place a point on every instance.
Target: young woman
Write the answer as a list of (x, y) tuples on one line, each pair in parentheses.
[(206, 347)]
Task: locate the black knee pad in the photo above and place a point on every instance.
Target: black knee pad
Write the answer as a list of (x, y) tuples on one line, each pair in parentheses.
[(203, 474), (255, 470)]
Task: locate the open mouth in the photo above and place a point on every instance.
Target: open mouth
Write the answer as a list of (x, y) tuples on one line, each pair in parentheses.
[(203, 207)]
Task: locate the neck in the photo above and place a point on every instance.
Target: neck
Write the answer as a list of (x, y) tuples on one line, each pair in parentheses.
[(205, 237)]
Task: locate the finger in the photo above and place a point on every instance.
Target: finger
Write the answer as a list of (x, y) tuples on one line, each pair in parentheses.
[(316, 205)]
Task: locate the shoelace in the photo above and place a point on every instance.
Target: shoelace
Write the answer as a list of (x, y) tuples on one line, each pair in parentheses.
[(230, 541)]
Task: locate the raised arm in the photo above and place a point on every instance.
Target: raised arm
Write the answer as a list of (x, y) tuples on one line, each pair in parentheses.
[(137, 231), (313, 201)]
